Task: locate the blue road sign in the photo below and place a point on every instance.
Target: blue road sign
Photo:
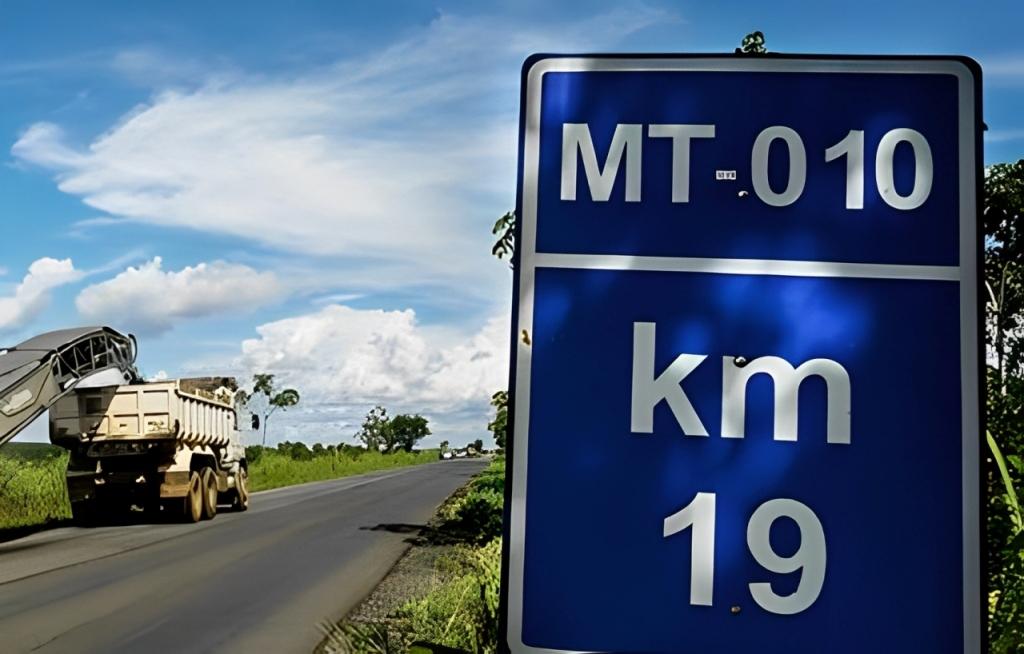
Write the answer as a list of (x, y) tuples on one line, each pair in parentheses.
[(746, 368)]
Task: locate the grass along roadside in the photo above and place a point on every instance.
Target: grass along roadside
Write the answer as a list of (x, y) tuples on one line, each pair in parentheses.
[(274, 470), (33, 493), (444, 591), (32, 488)]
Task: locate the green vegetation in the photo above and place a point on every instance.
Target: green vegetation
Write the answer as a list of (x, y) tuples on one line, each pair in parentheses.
[(499, 426), (752, 43), (1004, 472), (463, 613), (474, 514), (32, 489), (274, 468)]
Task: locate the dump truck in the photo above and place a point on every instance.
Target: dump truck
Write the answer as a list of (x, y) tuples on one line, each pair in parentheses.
[(167, 447)]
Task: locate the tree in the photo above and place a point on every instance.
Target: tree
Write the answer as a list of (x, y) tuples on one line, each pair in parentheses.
[(499, 425), (374, 431), (1004, 268), (298, 451), (405, 431), (241, 402), (444, 446), (478, 445), (263, 384), (1004, 332), (752, 43), (505, 229)]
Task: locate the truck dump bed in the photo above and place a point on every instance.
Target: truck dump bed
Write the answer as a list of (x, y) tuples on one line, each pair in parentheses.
[(149, 411)]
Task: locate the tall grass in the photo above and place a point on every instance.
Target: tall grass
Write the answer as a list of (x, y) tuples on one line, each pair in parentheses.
[(462, 613), (273, 470), (32, 488)]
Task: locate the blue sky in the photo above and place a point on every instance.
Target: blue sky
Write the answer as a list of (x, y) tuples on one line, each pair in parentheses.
[(308, 188)]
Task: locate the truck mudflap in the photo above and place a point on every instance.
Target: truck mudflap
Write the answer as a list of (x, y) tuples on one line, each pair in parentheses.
[(81, 485), (36, 373)]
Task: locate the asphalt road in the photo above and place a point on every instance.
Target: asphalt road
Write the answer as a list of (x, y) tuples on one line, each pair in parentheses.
[(259, 581)]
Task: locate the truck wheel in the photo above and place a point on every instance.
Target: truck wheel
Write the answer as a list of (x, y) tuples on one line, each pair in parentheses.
[(194, 500), (240, 498), (209, 479)]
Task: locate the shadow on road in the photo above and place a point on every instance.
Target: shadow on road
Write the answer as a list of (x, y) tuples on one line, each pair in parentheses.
[(446, 534), (14, 533), (113, 519)]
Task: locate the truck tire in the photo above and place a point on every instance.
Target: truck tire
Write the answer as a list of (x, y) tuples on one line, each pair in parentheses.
[(240, 496), (193, 503), (209, 480)]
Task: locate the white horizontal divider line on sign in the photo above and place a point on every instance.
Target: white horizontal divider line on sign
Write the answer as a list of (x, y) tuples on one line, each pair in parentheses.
[(746, 266)]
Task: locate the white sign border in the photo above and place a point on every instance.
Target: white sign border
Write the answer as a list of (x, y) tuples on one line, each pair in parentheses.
[(965, 273)]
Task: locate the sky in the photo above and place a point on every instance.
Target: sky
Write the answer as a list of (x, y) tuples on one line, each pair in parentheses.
[(307, 188)]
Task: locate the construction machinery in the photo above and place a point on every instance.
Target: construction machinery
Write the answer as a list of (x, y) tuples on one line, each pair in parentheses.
[(168, 447)]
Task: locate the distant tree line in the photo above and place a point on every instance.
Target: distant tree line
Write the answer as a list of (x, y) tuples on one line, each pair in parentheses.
[(300, 451), (378, 433)]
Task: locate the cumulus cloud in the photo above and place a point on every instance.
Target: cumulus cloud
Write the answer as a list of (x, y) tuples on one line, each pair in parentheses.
[(32, 295), (390, 165), (390, 158), (345, 360), (150, 300)]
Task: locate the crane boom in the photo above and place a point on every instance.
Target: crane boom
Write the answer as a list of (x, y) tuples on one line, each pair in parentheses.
[(36, 373)]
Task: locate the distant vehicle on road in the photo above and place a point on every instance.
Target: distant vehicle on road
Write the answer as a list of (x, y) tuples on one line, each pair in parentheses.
[(446, 455)]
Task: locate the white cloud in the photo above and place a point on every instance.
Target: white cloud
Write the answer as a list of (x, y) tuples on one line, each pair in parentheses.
[(32, 295), (392, 159), (388, 168), (338, 298), (344, 360), (1003, 68), (1003, 135), (150, 300)]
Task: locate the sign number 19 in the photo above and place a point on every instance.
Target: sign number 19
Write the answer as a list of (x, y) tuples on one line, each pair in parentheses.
[(809, 557)]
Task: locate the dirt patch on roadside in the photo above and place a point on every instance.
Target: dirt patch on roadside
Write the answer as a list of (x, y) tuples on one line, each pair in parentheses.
[(416, 574)]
